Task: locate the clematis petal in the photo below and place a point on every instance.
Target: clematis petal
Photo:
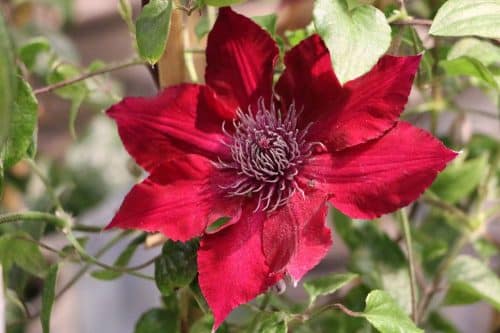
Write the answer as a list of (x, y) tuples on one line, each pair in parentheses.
[(240, 60), (178, 200), (281, 236), (182, 119), (382, 175), (231, 266), (315, 239), (343, 116), (309, 81)]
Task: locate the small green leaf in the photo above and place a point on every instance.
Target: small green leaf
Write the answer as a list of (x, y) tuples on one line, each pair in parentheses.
[(158, 320), (22, 124), (202, 28), (467, 18), (221, 3), (7, 80), (152, 29), (460, 179), (271, 323), (63, 72), (125, 11), (177, 265), (384, 314), (482, 50), (16, 248), (267, 22), (474, 280), (48, 295), (356, 38), (327, 284), (122, 261), (467, 66), (29, 51)]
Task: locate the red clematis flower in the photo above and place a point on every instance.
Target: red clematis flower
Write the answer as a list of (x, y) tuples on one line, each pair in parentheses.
[(269, 160)]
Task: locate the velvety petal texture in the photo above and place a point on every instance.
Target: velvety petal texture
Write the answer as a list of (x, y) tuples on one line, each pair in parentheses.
[(185, 118), (344, 116), (240, 60), (232, 268), (382, 175), (178, 206)]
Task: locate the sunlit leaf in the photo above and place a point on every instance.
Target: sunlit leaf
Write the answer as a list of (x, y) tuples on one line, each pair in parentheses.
[(356, 38), (472, 280), (482, 50), (152, 29), (467, 18), (22, 125), (383, 312), (326, 284), (7, 80)]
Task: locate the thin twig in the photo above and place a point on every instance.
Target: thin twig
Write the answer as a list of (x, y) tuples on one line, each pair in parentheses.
[(413, 21), (86, 76), (411, 263)]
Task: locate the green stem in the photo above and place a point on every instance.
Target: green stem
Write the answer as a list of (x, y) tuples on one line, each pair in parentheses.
[(411, 262), (34, 216)]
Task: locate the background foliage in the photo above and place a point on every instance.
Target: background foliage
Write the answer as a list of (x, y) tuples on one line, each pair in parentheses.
[(385, 286)]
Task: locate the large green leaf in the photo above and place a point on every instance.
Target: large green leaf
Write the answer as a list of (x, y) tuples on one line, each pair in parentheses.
[(22, 126), (327, 284), (470, 281), (152, 29), (467, 66), (459, 179), (48, 296), (177, 265), (7, 80), (356, 38), (383, 312), (30, 50), (482, 50), (467, 18)]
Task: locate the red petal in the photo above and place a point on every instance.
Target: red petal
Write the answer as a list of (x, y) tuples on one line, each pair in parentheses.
[(178, 200), (282, 230), (309, 80), (363, 109), (382, 175), (232, 268), (182, 119), (314, 242), (240, 60)]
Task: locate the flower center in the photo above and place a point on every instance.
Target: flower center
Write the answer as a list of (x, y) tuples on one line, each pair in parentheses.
[(267, 153)]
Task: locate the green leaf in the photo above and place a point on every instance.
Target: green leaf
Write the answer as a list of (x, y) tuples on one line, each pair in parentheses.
[(122, 261), (221, 3), (327, 284), (271, 323), (125, 11), (29, 51), (467, 66), (15, 248), (202, 28), (460, 179), (383, 312), (63, 72), (22, 124), (474, 280), (356, 38), (7, 80), (177, 265), (467, 18), (48, 295), (158, 320), (482, 50), (267, 22), (152, 29)]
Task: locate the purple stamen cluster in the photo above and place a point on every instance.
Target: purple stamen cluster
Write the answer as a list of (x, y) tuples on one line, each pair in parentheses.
[(267, 153)]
